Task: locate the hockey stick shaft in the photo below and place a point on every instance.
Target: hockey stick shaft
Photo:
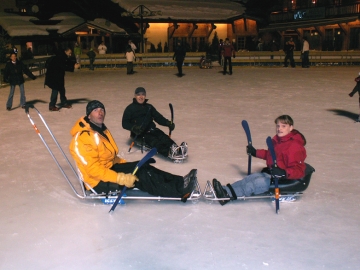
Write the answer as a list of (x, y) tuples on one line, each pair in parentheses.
[(138, 165), (273, 156), (172, 117), (246, 128), (133, 142)]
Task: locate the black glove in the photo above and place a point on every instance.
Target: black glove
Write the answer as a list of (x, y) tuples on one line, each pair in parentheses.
[(171, 126), (250, 150), (34, 78), (278, 172), (137, 130), (234, 56)]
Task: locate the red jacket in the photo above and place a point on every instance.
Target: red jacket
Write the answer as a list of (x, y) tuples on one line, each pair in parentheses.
[(290, 154), (228, 50)]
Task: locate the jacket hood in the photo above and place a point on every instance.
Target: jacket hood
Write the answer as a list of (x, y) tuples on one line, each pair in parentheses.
[(80, 125)]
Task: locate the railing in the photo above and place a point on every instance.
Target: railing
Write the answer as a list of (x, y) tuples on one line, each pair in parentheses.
[(245, 58)]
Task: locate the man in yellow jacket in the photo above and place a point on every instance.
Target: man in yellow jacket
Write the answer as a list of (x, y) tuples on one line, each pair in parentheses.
[(95, 153)]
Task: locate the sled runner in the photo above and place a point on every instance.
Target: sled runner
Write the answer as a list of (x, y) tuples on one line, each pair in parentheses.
[(289, 188), (78, 186)]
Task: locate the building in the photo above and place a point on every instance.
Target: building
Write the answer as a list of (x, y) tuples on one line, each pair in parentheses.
[(330, 25)]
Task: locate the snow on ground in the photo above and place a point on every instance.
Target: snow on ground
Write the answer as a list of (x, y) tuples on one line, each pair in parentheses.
[(45, 226)]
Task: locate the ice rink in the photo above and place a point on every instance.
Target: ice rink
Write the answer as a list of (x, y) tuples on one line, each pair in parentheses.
[(45, 226)]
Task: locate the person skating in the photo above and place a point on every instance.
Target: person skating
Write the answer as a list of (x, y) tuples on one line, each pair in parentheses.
[(356, 89), (96, 155), (13, 74), (55, 77), (228, 51), (290, 154), (179, 56), (92, 55), (289, 51), (139, 118)]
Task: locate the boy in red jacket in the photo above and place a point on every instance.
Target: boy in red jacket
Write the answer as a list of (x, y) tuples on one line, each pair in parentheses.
[(228, 51), (290, 154)]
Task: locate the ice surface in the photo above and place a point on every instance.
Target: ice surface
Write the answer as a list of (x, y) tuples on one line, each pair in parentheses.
[(45, 226)]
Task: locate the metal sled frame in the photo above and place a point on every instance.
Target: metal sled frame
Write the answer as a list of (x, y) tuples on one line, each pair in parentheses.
[(209, 194), (293, 188), (91, 194)]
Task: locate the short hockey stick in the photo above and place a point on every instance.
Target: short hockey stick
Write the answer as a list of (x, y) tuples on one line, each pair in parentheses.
[(172, 117), (140, 163), (133, 142), (273, 156), (246, 127)]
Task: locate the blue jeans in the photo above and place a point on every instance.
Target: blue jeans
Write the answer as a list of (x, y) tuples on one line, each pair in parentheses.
[(11, 96), (252, 184)]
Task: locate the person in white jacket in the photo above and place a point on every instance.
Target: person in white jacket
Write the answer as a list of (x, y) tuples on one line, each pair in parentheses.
[(102, 48)]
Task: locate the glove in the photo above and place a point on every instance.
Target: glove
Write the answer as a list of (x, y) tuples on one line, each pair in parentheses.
[(250, 150), (234, 56), (34, 78), (278, 172), (171, 126), (137, 130), (127, 180)]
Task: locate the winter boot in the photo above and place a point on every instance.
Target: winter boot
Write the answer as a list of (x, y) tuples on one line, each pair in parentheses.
[(220, 192), (189, 181)]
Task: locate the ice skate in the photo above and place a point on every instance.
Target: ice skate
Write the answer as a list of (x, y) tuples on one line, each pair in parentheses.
[(176, 154), (190, 181)]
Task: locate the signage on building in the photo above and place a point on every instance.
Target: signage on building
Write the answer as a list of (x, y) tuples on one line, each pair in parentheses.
[(311, 13)]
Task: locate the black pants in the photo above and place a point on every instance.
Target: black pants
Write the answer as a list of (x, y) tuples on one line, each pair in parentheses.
[(54, 94), (129, 67), (157, 138), (305, 59), (92, 60), (179, 64), (289, 56), (151, 180), (226, 60)]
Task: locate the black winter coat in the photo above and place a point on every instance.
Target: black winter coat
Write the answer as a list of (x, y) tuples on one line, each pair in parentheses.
[(55, 73), (139, 115), (14, 73)]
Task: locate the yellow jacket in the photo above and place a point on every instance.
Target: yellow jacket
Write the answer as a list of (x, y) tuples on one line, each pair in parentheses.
[(94, 151)]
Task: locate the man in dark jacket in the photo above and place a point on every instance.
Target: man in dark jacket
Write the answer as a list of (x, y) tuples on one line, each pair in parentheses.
[(55, 77), (179, 56), (14, 75), (139, 119)]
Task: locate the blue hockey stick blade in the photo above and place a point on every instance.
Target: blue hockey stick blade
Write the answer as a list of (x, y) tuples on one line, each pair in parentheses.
[(147, 157), (246, 128)]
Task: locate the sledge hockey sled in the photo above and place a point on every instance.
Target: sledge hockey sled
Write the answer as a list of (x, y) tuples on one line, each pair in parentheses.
[(80, 187), (288, 188), (144, 147)]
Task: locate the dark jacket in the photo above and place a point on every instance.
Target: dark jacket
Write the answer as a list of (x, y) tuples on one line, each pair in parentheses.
[(179, 53), (55, 73), (14, 73), (91, 54), (142, 115)]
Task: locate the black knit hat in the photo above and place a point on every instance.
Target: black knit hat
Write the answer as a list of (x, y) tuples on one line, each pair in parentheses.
[(140, 90), (92, 105)]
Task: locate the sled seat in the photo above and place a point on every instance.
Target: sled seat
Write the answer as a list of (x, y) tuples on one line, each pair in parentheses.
[(294, 185)]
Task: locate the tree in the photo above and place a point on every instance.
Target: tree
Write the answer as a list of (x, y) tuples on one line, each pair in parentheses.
[(214, 44), (4, 51)]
